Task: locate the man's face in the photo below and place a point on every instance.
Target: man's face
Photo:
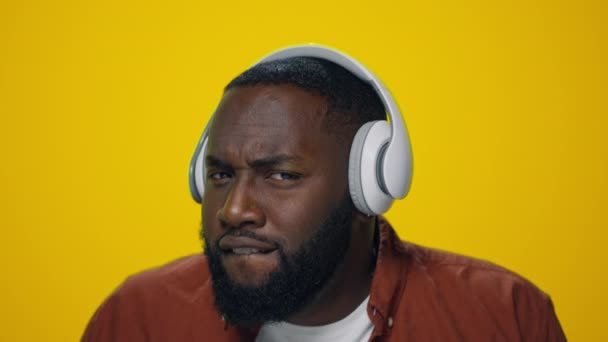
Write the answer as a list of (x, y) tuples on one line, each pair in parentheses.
[(276, 204)]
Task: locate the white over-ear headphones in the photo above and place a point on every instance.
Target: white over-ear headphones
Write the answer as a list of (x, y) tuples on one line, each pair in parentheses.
[(380, 164)]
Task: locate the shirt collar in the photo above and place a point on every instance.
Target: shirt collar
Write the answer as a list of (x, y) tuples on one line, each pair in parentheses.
[(388, 281), (389, 278)]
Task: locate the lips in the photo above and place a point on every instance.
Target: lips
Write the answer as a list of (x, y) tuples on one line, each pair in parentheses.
[(242, 245)]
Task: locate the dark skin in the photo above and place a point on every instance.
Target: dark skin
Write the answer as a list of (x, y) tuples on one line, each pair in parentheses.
[(275, 168)]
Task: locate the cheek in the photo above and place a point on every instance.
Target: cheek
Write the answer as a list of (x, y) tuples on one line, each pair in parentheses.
[(295, 216), (210, 225), (292, 216)]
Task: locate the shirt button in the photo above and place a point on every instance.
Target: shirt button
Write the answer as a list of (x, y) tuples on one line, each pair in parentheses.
[(390, 322)]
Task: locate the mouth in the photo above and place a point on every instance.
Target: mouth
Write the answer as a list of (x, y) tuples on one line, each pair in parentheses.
[(248, 261), (247, 251), (244, 246)]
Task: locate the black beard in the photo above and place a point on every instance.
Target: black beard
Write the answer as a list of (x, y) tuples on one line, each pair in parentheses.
[(296, 281)]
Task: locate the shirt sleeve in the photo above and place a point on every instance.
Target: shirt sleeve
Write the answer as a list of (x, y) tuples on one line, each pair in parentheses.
[(116, 320), (536, 316)]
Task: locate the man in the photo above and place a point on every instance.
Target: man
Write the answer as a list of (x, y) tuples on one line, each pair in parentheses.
[(294, 251)]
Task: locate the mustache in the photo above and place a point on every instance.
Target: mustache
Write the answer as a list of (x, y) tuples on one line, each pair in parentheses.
[(249, 234)]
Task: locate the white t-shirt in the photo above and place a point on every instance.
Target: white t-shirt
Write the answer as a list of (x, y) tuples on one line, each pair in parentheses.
[(353, 328)]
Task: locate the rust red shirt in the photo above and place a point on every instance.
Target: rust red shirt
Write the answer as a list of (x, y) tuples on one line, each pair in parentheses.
[(417, 294)]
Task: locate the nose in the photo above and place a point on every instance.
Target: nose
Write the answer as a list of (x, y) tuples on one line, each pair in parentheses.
[(240, 208)]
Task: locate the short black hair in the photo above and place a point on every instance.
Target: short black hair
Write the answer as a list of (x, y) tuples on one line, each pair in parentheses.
[(351, 101)]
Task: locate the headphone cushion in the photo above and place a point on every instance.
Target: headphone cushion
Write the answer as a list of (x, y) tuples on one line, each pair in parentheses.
[(197, 178), (363, 168)]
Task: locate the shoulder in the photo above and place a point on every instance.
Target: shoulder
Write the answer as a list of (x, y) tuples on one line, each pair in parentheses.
[(186, 274), (443, 263), (465, 275), (458, 280), (157, 301), (185, 280), (488, 294)]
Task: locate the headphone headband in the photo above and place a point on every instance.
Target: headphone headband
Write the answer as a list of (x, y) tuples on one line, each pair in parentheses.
[(394, 165), (388, 147)]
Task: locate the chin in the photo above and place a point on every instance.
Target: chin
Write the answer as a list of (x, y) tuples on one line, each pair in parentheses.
[(250, 271)]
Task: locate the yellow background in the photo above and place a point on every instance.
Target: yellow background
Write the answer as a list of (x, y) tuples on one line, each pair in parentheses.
[(101, 104)]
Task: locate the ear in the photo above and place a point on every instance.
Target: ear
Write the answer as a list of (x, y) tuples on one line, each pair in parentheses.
[(365, 168)]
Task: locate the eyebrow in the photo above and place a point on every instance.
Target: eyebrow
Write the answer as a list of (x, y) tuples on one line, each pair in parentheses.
[(216, 162), (261, 163)]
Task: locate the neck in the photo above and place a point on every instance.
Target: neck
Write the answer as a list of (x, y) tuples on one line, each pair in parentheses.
[(351, 282)]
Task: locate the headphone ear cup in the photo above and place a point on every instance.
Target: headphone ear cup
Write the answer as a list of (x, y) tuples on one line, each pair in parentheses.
[(198, 176), (364, 168)]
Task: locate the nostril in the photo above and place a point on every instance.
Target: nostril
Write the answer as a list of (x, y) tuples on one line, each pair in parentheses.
[(240, 208), (239, 219)]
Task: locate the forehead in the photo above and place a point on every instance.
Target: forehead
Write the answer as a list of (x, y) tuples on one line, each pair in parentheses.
[(260, 120)]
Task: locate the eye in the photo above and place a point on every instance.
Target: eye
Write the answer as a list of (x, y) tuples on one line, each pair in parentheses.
[(219, 176), (284, 176)]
